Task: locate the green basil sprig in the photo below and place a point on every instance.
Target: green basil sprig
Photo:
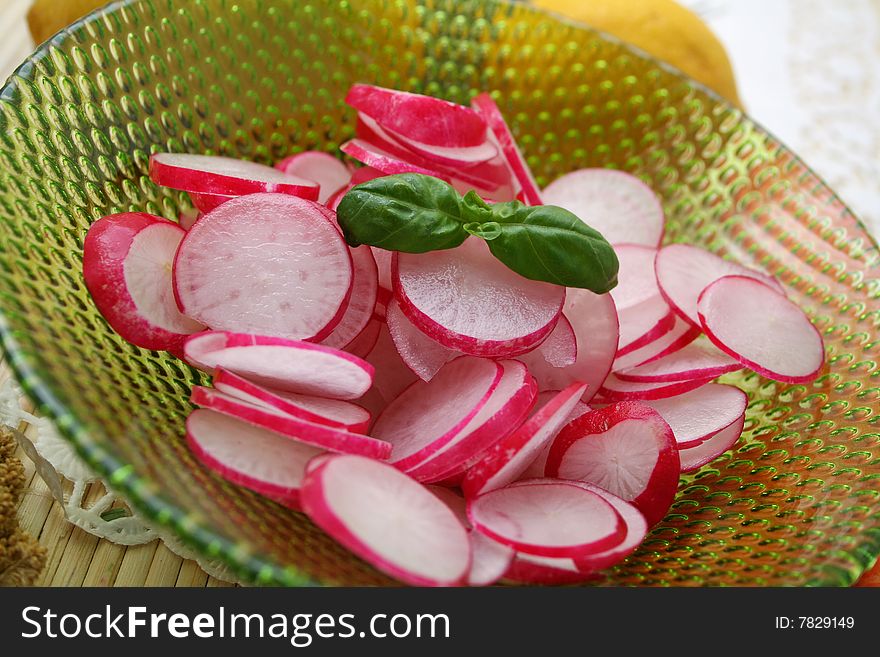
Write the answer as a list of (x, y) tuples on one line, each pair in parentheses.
[(415, 214)]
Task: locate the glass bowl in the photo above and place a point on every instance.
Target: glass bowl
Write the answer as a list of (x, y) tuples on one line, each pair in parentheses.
[(796, 502)]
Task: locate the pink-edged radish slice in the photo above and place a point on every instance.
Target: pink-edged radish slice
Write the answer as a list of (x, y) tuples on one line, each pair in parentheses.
[(249, 456), (490, 112), (427, 415), (362, 302), (536, 468), (365, 341), (392, 375), (387, 519), (699, 414), (288, 365), (333, 439), (383, 260), (508, 458), (617, 204), (678, 337), (226, 176), (421, 118), (532, 569), (380, 159), (694, 458), (271, 264), (332, 412), (359, 176), (322, 168), (482, 308), (207, 202), (627, 449), (684, 271), (762, 329), (643, 323), (187, 218), (615, 389), (636, 281), (423, 355), (127, 262), (507, 408), (548, 519), (696, 360), (558, 350)]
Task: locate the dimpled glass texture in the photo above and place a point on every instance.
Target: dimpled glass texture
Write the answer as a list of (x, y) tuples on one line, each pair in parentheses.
[(795, 502)]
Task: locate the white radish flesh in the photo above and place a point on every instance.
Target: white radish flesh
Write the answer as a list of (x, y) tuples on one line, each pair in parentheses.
[(365, 341), (392, 375), (644, 323), (615, 389), (697, 360), (694, 458), (328, 172), (636, 281), (536, 468), (682, 334), (699, 414), (362, 302), (423, 355), (557, 351), (380, 159)]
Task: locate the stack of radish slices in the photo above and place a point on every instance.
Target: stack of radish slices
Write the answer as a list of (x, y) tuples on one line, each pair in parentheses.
[(444, 418)]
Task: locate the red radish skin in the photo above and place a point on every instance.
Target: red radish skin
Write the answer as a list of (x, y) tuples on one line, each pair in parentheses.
[(697, 360), (288, 365), (557, 351), (428, 415), (387, 519), (332, 412), (326, 438), (615, 389), (627, 449), (684, 271), (467, 300), (644, 323), (365, 341), (421, 354), (536, 468), (328, 172), (362, 302), (678, 337), (694, 458), (508, 458), (531, 569), (226, 176), (207, 202), (699, 414), (762, 329), (388, 163), (620, 206), (249, 456), (636, 282), (548, 519), (392, 375), (127, 270), (270, 264)]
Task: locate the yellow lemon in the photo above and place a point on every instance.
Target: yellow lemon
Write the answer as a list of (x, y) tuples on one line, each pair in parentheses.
[(663, 28)]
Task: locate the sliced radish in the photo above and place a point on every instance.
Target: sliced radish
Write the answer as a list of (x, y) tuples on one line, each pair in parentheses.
[(558, 350), (127, 269), (365, 341), (280, 364), (508, 458), (678, 337), (532, 569), (697, 360), (636, 281), (249, 456), (699, 414), (392, 375), (549, 519), (207, 202), (267, 417), (484, 104), (384, 161), (213, 174), (427, 415), (383, 263), (362, 302), (536, 468), (762, 329), (615, 389), (619, 205), (423, 355), (425, 119), (265, 263), (359, 176), (466, 299), (319, 167), (694, 458), (387, 519), (627, 449), (507, 408), (332, 412), (684, 271), (187, 218), (643, 323)]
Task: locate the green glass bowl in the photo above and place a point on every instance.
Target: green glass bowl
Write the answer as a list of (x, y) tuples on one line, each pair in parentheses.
[(796, 502)]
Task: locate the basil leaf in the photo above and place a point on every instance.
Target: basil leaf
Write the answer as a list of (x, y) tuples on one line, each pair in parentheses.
[(548, 243), (406, 212)]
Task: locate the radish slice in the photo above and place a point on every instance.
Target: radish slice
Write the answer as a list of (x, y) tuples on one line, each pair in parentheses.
[(615, 389), (619, 205), (265, 263), (127, 269), (684, 271), (532, 569), (509, 457), (392, 375), (490, 112), (382, 160), (482, 307), (266, 417), (328, 172), (636, 281), (421, 354), (427, 415), (697, 360), (694, 458), (226, 176), (507, 408), (383, 263), (249, 456), (206, 202), (387, 519), (699, 414), (625, 448), (366, 340), (359, 176), (362, 303), (558, 350), (280, 364), (424, 119), (550, 519), (332, 412), (762, 329), (678, 337), (536, 468), (644, 323), (187, 218)]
